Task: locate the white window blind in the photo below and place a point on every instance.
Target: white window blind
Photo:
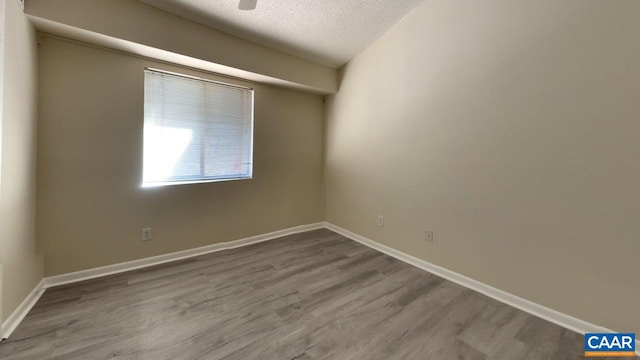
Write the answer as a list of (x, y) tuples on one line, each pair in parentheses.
[(195, 130)]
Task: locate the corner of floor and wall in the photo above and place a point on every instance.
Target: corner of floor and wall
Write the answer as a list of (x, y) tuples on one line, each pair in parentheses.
[(21, 256), (510, 130), (506, 130)]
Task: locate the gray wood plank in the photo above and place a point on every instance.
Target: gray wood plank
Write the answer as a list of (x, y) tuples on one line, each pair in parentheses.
[(315, 295)]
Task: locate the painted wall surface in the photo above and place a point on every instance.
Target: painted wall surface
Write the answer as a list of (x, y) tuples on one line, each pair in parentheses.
[(91, 208), (511, 129), (20, 254)]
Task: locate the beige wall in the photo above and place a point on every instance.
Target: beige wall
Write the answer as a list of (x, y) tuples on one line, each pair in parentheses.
[(19, 252), (510, 128), (90, 205), (139, 23)]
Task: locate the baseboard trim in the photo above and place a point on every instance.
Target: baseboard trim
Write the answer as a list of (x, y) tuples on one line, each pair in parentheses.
[(556, 317), (12, 322), (88, 274), (27, 304)]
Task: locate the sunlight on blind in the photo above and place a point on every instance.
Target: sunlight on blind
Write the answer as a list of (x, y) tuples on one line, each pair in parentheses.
[(195, 130)]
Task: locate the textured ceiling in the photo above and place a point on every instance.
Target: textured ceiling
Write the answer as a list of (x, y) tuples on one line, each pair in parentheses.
[(329, 32)]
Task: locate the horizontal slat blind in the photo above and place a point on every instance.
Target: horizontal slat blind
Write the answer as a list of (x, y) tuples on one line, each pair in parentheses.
[(195, 130)]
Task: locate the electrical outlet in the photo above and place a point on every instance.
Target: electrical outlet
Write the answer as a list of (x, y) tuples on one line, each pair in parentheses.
[(380, 220), (429, 236), (146, 234)]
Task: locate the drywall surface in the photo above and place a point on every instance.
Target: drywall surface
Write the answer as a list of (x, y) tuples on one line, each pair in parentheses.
[(91, 207), (511, 129), (20, 254), (136, 23)]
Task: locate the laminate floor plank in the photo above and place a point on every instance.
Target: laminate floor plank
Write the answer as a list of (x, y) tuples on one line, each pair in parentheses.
[(314, 295)]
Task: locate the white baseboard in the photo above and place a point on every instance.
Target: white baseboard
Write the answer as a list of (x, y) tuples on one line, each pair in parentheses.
[(556, 317), (19, 314), (12, 322), (161, 259)]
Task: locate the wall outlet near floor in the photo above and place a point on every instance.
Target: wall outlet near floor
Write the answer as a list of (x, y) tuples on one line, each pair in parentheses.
[(146, 234), (429, 236), (380, 220)]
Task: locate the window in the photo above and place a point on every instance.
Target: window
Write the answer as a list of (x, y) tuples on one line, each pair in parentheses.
[(195, 130)]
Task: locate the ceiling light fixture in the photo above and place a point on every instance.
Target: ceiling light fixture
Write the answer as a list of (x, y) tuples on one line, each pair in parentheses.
[(247, 4)]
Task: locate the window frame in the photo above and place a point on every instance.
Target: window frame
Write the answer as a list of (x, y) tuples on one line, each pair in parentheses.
[(202, 179)]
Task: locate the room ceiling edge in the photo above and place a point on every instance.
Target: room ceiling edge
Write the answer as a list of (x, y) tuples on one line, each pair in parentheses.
[(264, 65)]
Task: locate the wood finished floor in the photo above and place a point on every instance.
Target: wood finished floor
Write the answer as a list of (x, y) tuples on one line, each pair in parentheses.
[(315, 295)]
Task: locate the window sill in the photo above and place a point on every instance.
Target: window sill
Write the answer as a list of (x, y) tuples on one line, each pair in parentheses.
[(188, 182)]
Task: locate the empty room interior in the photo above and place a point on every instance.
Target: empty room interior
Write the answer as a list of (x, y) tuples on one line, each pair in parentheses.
[(334, 179)]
